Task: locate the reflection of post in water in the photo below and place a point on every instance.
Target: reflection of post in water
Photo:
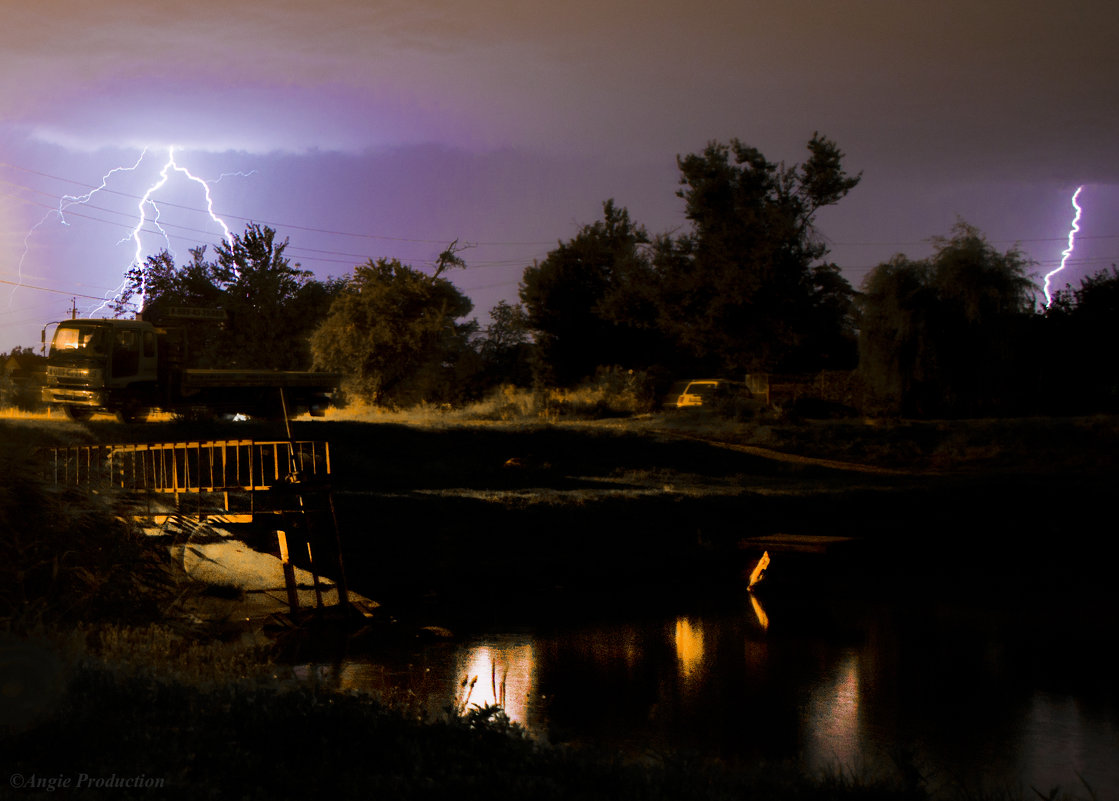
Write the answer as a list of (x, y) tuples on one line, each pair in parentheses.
[(689, 647), (763, 618), (755, 575)]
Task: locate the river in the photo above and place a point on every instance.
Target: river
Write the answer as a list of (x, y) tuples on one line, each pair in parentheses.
[(977, 690)]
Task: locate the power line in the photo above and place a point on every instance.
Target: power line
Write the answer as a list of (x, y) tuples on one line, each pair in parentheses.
[(326, 256), (271, 224), (22, 285), (67, 211)]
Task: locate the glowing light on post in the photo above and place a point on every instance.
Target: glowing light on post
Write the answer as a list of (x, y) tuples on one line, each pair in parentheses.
[(1073, 230)]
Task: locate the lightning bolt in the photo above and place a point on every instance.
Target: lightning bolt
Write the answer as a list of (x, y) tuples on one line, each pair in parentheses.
[(1073, 230), (148, 211), (64, 203), (146, 201)]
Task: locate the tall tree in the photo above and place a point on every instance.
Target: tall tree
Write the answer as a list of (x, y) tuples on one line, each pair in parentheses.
[(941, 336), (505, 345), (896, 354), (266, 298), (746, 288), (392, 332), (1072, 354), (161, 286), (588, 301), (272, 305)]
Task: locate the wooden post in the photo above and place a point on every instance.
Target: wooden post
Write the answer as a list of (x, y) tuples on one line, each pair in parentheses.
[(314, 577), (343, 588), (289, 572)]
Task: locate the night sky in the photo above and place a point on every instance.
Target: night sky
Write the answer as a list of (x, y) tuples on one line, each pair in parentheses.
[(363, 129)]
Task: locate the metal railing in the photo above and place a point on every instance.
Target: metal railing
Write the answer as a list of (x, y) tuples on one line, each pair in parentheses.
[(191, 467)]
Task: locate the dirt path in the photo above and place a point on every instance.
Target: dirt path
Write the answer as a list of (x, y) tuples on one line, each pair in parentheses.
[(791, 458)]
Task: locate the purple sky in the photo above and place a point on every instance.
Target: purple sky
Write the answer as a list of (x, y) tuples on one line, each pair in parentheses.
[(362, 129)]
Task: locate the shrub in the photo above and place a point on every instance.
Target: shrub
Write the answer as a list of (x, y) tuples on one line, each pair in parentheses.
[(68, 557), (613, 392)]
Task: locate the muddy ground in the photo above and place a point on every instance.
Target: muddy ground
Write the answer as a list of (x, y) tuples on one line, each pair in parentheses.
[(464, 522)]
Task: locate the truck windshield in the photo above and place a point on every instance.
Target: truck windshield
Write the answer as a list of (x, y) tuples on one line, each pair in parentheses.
[(86, 340)]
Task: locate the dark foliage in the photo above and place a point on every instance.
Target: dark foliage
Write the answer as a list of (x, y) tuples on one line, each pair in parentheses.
[(272, 306), (505, 348), (941, 336), (392, 332), (746, 289), (21, 380), (67, 557), (591, 303), (1070, 346)]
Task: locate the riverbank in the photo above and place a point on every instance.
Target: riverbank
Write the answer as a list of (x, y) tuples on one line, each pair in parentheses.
[(128, 734), (614, 512), (460, 523), (449, 519)]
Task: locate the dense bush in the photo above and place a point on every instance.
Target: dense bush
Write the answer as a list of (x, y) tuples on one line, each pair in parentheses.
[(67, 557)]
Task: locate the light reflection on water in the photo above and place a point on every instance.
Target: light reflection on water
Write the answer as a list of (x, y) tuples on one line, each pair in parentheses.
[(831, 718), (505, 676), (689, 649), (815, 686)]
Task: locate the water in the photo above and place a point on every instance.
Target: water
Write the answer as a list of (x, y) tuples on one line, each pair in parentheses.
[(995, 693)]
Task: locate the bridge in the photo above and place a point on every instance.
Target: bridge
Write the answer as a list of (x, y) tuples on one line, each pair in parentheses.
[(282, 484)]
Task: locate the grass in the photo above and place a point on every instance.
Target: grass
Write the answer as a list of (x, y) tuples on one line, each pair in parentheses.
[(925, 445), (125, 707), (256, 740)]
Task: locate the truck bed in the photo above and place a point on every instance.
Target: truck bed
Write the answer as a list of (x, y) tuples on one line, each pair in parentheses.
[(197, 378)]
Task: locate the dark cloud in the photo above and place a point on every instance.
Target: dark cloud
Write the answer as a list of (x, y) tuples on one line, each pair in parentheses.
[(510, 122)]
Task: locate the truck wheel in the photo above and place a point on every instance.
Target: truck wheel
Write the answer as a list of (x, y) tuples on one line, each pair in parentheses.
[(133, 413), (78, 413)]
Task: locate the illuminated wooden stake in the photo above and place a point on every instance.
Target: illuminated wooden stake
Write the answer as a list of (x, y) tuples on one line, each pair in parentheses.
[(758, 573), (289, 572)]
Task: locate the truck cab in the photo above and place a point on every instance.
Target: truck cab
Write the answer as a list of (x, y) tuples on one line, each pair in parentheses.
[(108, 365)]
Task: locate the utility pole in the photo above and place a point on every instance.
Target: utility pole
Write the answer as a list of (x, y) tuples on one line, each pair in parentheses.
[(73, 308)]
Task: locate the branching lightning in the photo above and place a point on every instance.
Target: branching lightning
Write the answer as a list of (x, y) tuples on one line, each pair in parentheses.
[(148, 211), (64, 203), (1073, 230), (146, 202)]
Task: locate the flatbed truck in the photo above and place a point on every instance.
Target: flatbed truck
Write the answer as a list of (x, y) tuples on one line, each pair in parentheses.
[(131, 367)]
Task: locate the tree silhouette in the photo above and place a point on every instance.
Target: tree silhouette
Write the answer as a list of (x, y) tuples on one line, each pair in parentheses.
[(268, 301), (392, 332), (505, 346), (271, 305), (1078, 372), (745, 289), (942, 335), (588, 301)]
